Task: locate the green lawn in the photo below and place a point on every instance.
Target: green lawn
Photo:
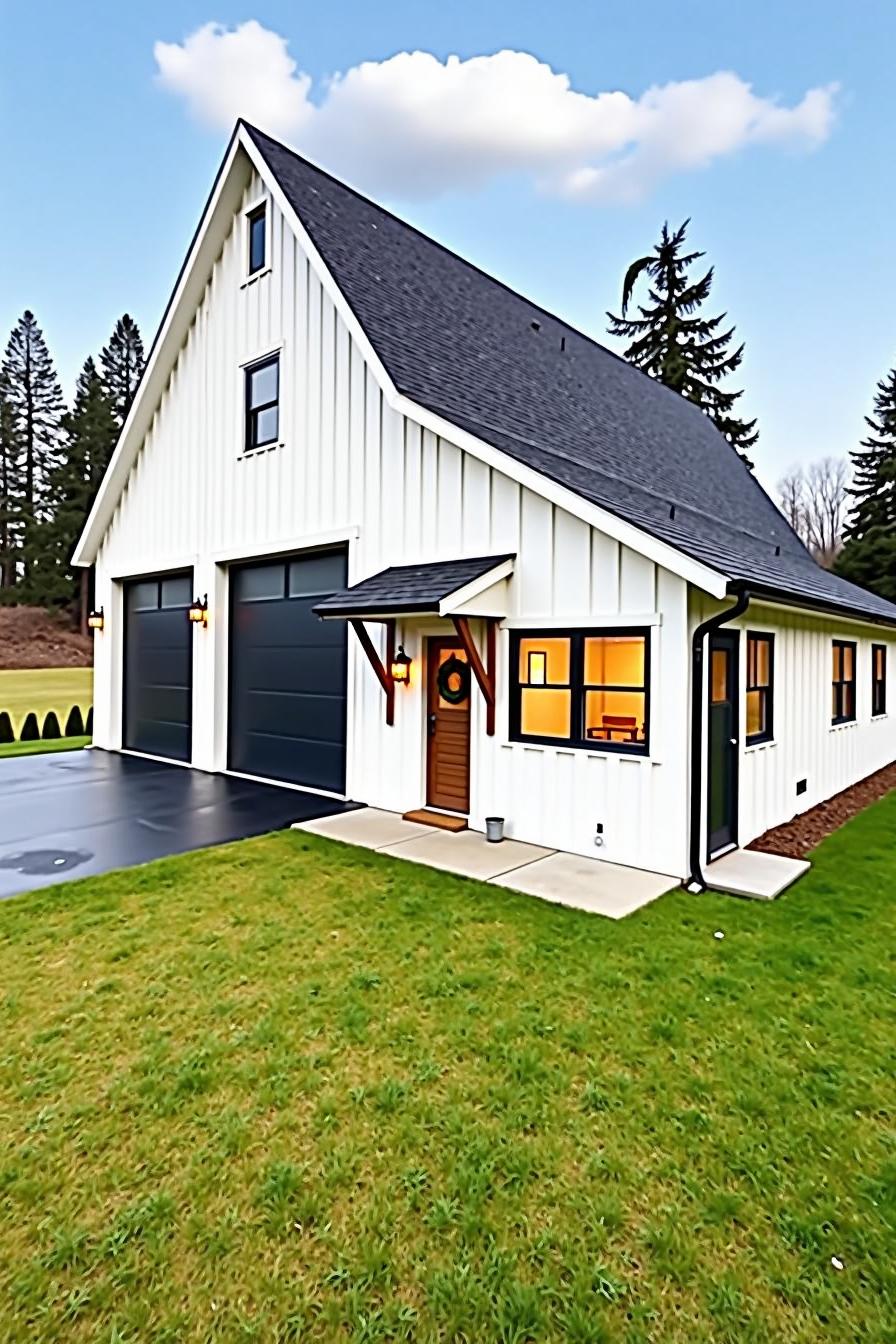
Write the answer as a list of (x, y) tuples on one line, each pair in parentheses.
[(285, 1090), (43, 689), (42, 746)]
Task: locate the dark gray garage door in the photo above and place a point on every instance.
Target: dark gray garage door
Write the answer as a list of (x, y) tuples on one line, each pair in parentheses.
[(158, 666), (287, 672)]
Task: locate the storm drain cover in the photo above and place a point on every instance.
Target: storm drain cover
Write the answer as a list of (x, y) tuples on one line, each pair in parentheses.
[(40, 862)]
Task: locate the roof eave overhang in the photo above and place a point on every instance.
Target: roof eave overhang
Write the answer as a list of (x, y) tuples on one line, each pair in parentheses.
[(207, 243), (768, 594), (451, 604)]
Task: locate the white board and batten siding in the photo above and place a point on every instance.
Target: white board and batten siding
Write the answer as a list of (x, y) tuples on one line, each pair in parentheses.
[(806, 745), (351, 469)]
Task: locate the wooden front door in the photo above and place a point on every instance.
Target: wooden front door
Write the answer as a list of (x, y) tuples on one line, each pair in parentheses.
[(448, 725), (723, 741)]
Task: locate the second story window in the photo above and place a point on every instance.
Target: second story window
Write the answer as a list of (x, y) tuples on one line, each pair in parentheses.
[(256, 222), (843, 681), (263, 403)]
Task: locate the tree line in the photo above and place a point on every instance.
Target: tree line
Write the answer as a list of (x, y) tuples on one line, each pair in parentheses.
[(52, 458), (845, 513)]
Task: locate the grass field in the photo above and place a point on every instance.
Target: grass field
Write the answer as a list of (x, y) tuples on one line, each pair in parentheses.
[(43, 689), (42, 746), (285, 1090)]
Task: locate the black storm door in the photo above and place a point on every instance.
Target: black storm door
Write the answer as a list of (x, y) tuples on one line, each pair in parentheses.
[(723, 741)]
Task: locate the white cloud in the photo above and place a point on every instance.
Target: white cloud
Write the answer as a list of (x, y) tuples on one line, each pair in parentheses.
[(416, 126)]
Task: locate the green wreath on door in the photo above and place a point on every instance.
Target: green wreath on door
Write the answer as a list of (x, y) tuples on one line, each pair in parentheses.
[(453, 680)]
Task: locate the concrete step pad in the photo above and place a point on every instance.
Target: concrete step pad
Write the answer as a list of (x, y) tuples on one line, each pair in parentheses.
[(748, 872)]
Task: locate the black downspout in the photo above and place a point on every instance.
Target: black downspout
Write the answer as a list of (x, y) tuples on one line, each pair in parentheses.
[(696, 881)]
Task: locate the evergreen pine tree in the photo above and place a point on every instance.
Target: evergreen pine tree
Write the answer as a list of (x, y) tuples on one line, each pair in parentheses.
[(869, 553), (122, 362), (32, 396), (90, 431), (675, 344), (10, 482)]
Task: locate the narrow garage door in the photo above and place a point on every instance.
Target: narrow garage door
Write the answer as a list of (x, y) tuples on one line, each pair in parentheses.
[(158, 666), (288, 672)]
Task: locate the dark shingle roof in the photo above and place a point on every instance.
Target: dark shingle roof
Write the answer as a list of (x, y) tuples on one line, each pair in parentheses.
[(466, 347), (408, 588)]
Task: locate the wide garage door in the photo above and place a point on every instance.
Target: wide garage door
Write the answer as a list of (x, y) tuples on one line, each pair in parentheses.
[(288, 672), (158, 666)]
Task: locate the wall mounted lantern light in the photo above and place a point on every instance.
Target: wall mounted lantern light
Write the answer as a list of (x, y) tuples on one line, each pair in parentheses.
[(401, 667), (96, 620), (198, 612)]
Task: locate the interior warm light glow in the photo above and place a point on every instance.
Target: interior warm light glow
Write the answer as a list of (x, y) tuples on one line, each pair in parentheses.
[(538, 667), (545, 712), (615, 716), (554, 652), (614, 661)]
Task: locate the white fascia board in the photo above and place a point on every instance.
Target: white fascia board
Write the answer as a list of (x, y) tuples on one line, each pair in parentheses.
[(204, 250), (827, 615), (668, 557), (449, 605)]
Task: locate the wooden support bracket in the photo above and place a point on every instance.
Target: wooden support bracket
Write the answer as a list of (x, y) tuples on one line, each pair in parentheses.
[(383, 672), (485, 676)]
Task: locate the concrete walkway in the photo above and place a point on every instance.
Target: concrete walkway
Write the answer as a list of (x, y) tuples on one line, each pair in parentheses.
[(566, 879)]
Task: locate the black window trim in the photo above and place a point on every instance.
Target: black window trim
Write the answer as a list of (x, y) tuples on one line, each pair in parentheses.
[(577, 635), (839, 683), (249, 411), (768, 733), (259, 211), (878, 684)]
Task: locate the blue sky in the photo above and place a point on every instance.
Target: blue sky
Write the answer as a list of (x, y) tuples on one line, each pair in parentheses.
[(107, 170)]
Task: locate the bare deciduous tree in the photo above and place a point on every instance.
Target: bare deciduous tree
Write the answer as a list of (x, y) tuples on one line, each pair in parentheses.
[(815, 502)]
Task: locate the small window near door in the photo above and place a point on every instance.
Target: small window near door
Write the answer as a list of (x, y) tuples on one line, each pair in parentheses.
[(760, 694), (878, 679), (843, 681), (256, 223), (263, 403)]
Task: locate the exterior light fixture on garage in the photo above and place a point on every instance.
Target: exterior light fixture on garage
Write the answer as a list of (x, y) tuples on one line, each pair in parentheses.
[(198, 611), (401, 668), (96, 620)]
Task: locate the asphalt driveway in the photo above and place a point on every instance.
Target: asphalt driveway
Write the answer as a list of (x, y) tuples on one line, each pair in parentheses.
[(78, 813)]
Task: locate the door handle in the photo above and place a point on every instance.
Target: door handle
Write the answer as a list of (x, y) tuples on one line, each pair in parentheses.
[(733, 741), (432, 725)]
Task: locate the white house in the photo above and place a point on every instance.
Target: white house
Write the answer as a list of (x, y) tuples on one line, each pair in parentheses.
[(357, 448)]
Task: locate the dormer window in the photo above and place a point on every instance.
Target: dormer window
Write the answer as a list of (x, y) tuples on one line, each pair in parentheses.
[(256, 221)]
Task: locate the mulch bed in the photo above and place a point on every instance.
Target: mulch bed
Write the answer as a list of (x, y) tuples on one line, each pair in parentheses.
[(31, 637), (795, 838)]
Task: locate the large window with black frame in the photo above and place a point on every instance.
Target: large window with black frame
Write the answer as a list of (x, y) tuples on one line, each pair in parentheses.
[(263, 403), (878, 679), (843, 681), (760, 688), (581, 688)]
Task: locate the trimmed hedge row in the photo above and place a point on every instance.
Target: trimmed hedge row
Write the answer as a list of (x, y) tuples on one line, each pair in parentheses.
[(75, 726)]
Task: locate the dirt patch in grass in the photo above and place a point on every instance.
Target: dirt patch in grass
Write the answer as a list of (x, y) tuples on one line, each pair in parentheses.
[(31, 637), (796, 838)]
